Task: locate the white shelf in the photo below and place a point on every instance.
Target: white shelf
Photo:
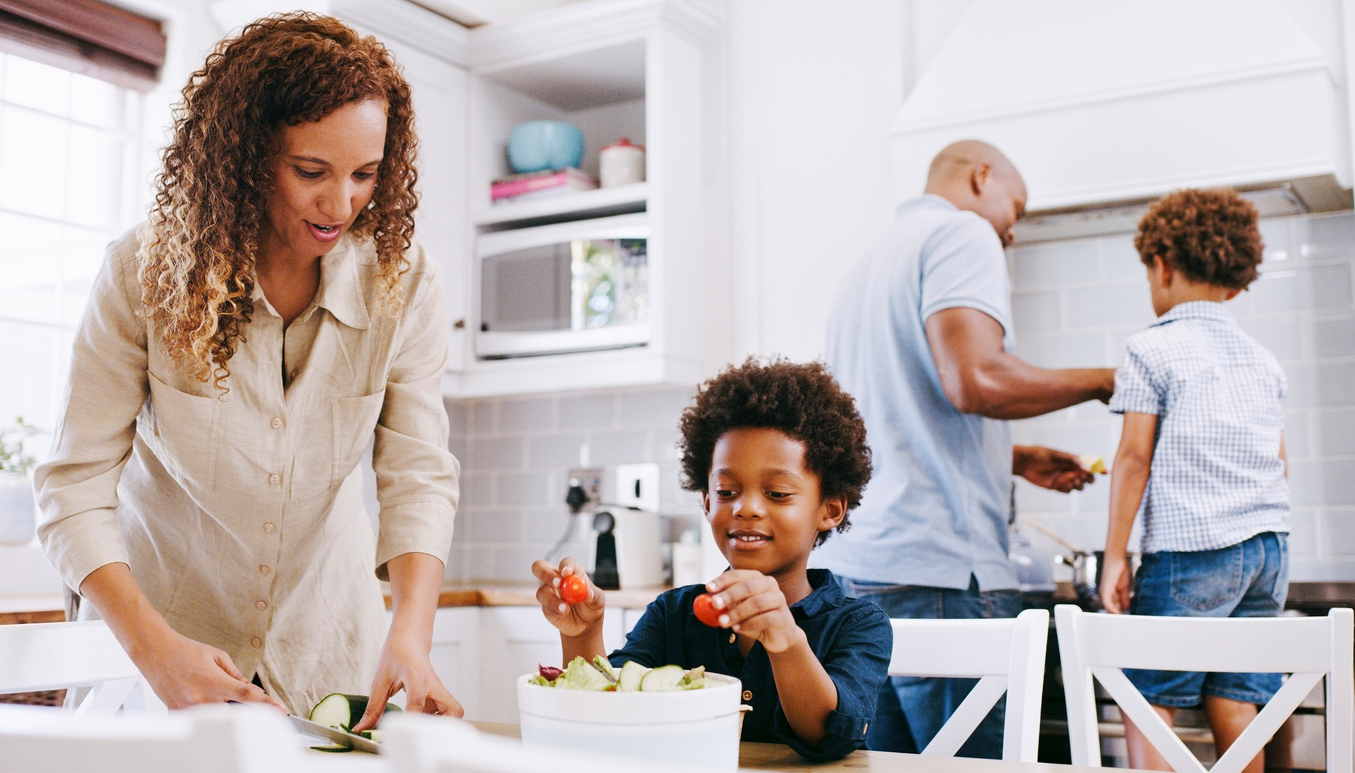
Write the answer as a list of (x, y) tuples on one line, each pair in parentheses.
[(602, 201), (636, 366)]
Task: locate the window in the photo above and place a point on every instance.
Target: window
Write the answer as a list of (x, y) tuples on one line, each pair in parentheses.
[(66, 190)]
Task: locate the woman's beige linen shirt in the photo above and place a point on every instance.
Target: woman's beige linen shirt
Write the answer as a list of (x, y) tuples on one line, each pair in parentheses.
[(241, 515)]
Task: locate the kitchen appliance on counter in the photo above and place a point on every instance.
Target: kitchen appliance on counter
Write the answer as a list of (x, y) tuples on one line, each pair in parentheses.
[(623, 548), (566, 287)]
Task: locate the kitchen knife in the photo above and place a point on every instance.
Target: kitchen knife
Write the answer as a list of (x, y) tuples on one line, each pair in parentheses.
[(337, 736)]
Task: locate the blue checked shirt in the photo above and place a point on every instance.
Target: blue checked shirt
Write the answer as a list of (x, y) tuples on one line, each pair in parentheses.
[(1216, 477)]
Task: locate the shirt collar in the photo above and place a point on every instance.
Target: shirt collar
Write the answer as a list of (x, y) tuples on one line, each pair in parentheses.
[(827, 594), (1196, 310), (340, 287)]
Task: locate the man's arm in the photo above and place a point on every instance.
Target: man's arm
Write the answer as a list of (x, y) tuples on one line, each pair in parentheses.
[(979, 377)]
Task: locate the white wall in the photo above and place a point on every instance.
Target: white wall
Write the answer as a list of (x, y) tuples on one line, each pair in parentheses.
[(813, 84)]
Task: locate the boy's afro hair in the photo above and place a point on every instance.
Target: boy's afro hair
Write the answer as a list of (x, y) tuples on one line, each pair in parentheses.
[(803, 401), (1209, 235)]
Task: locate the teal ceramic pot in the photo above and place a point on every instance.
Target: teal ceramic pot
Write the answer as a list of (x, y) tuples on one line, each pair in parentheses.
[(538, 145)]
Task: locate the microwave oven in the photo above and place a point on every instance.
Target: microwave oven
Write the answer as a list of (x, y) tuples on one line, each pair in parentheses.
[(568, 287)]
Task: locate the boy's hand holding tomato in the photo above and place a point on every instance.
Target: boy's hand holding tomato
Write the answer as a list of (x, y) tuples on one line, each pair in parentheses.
[(568, 599), (751, 603)]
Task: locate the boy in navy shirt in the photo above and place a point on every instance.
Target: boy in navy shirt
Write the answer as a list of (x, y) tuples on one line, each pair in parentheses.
[(779, 455), (1202, 456)]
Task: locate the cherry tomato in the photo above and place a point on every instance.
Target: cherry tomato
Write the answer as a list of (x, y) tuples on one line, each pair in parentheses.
[(573, 589), (704, 608)]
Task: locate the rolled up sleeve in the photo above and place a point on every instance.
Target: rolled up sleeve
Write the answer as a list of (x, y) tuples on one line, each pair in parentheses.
[(77, 487), (416, 474), (858, 664)]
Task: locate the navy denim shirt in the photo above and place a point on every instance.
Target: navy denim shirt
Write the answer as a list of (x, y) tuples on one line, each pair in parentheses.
[(852, 639)]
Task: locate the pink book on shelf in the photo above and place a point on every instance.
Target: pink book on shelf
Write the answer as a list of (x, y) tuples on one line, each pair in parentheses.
[(564, 178)]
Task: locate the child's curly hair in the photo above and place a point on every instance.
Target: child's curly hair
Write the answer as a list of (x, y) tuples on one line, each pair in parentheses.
[(802, 401), (1209, 235), (198, 251)]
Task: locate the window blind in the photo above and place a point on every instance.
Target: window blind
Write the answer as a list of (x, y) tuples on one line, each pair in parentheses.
[(90, 37)]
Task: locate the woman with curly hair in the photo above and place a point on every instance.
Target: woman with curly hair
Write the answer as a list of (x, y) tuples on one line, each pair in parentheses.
[(239, 351)]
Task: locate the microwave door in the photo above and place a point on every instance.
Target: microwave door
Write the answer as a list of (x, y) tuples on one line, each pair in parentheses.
[(526, 290)]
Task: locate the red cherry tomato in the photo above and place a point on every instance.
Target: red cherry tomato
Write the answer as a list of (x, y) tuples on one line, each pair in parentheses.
[(573, 589), (704, 608)]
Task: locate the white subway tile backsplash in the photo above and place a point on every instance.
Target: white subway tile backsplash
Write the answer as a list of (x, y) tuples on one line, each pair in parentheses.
[(1336, 527), (1035, 312), (522, 488), (527, 415), (1055, 263), (1303, 531), (588, 412), (1277, 235), (1335, 433), (622, 447), (1303, 288), (495, 526), (1319, 482), (557, 451), (497, 453), (1108, 305), (481, 416), (1281, 335), (1120, 261), (653, 408), (1065, 350), (1298, 436), (1325, 237), (1333, 336)]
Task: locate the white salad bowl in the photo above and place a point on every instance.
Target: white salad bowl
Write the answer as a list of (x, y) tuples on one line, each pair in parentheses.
[(695, 727)]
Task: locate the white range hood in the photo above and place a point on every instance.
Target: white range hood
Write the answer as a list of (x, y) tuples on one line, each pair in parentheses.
[(1100, 102)]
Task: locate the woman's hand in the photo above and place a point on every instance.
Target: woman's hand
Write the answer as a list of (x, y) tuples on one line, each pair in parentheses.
[(404, 665), (753, 605), (573, 620), (185, 673)]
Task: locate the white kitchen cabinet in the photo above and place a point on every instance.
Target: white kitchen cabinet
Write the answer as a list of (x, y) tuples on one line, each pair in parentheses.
[(456, 654), (621, 68)]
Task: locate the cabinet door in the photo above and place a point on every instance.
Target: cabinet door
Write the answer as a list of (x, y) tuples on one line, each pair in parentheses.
[(456, 655), (513, 642), (441, 98)]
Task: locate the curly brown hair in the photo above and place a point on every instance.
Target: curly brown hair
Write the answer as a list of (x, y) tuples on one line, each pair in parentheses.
[(1209, 235), (801, 400), (198, 252)]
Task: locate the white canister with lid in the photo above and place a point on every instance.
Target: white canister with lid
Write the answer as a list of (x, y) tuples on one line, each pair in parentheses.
[(621, 164)]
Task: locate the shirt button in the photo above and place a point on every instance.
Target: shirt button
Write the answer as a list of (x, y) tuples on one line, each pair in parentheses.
[(275, 423), (263, 570), (261, 604), (747, 694), (733, 637), (256, 642), (274, 478), (268, 527)]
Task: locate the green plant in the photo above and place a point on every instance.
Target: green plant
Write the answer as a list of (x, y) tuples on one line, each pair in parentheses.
[(12, 456)]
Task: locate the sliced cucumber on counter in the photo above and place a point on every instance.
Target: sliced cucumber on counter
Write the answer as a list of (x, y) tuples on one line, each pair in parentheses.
[(341, 711)]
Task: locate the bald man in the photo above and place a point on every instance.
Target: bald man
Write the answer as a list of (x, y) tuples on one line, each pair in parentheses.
[(920, 334)]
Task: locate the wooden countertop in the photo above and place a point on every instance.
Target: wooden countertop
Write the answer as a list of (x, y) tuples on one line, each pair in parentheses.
[(776, 757), (491, 595)]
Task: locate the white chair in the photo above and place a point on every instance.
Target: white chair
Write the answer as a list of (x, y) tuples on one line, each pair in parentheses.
[(63, 656), (1306, 648), (419, 743), (203, 739), (1007, 655)]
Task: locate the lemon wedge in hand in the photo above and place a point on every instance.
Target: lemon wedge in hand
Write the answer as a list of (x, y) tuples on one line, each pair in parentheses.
[(1092, 464)]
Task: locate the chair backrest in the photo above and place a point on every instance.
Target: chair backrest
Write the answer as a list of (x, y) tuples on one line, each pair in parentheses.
[(419, 743), (207, 739), (1306, 648), (62, 656), (1007, 656)]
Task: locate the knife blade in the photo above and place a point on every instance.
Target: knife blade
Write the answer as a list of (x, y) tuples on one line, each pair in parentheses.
[(337, 736)]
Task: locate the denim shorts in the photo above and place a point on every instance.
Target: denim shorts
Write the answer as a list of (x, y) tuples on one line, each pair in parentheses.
[(1249, 579)]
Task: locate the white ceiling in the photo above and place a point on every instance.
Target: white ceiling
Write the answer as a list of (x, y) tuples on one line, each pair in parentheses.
[(472, 13)]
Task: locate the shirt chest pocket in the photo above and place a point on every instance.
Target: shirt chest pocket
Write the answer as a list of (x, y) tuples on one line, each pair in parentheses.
[(354, 421), (185, 434)]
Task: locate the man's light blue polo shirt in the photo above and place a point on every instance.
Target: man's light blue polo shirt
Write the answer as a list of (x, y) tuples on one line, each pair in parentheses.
[(936, 509)]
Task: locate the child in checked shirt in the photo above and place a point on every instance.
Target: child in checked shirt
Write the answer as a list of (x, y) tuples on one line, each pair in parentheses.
[(1201, 455)]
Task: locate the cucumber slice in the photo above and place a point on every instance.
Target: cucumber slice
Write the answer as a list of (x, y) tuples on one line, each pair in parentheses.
[(335, 749), (662, 679), (605, 667), (629, 678), (375, 736), (341, 711)]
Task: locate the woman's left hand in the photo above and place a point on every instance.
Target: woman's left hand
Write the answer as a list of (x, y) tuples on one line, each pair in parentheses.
[(404, 665)]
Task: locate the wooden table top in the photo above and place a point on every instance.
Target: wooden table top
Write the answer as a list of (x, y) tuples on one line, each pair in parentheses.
[(778, 757)]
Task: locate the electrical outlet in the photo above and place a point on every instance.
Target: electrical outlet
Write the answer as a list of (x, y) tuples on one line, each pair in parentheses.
[(590, 480), (637, 485)]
